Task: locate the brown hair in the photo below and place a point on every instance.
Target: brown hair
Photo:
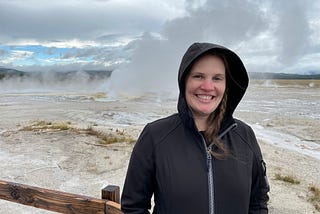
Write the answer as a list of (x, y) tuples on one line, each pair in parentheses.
[(215, 119), (214, 124)]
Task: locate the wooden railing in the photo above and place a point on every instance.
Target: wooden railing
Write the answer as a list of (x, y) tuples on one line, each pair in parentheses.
[(62, 202)]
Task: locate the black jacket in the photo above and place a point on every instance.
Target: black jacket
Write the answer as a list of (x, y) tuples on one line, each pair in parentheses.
[(171, 159)]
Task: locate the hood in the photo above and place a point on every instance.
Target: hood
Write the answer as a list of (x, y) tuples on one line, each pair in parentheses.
[(237, 80)]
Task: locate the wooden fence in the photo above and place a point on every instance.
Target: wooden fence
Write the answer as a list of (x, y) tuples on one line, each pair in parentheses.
[(62, 202)]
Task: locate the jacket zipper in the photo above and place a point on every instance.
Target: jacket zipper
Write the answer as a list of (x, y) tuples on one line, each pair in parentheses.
[(210, 175), (210, 180), (210, 168)]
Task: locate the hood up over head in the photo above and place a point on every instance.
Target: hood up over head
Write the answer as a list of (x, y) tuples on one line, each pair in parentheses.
[(237, 79)]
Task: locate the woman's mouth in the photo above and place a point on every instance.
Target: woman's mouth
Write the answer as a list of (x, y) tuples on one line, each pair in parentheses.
[(205, 97)]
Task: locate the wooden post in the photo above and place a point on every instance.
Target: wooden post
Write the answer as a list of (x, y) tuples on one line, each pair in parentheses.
[(111, 193)]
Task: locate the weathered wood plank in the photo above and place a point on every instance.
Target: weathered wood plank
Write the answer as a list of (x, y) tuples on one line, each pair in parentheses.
[(57, 201), (113, 208)]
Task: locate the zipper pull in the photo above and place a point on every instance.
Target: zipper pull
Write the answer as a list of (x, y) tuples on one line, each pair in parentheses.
[(209, 158)]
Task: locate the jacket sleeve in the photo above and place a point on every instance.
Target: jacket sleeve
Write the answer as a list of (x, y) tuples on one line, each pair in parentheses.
[(139, 183), (260, 185)]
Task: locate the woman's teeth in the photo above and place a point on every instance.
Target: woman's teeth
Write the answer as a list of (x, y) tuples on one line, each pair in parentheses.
[(205, 97)]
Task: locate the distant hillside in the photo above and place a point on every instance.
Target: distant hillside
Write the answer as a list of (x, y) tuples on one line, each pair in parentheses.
[(8, 73), (258, 75)]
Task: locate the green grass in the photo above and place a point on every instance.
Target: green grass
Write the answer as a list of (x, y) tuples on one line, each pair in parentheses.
[(287, 178), (314, 198)]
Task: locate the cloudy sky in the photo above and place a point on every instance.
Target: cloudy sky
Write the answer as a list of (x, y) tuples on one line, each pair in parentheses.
[(144, 40)]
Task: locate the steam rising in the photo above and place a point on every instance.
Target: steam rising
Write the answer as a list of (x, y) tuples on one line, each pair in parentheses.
[(14, 81), (293, 31), (237, 24)]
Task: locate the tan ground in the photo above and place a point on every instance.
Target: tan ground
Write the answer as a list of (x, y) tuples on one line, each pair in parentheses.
[(75, 162)]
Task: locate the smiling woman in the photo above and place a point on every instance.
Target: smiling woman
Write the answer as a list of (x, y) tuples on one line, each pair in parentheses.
[(202, 150)]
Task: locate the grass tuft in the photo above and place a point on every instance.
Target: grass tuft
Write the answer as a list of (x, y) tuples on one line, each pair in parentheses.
[(99, 95), (44, 125), (314, 198), (104, 138), (287, 178), (108, 138)]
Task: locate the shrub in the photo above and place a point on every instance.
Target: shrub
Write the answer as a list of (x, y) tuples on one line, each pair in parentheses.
[(314, 198), (287, 179)]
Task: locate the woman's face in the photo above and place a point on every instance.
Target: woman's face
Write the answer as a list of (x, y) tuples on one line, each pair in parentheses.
[(205, 85)]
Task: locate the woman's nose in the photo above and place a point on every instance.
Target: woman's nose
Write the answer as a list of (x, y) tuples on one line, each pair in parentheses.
[(207, 85)]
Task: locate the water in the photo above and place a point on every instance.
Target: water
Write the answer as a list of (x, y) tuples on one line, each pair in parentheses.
[(286, 116), (288, 101)]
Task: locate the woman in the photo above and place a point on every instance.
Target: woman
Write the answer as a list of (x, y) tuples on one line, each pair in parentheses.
[(200, 160)]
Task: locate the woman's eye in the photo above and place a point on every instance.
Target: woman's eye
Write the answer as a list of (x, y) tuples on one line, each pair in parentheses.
[(218, 78), (197, 76)]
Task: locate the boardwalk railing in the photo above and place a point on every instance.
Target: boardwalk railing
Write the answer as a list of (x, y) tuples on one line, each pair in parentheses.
[(61, 202)]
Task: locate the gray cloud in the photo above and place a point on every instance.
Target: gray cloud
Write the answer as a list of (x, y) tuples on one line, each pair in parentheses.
[(3, 52), (51, 50), (100, 55), (41, 20), (75, 66), (225, 22)]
